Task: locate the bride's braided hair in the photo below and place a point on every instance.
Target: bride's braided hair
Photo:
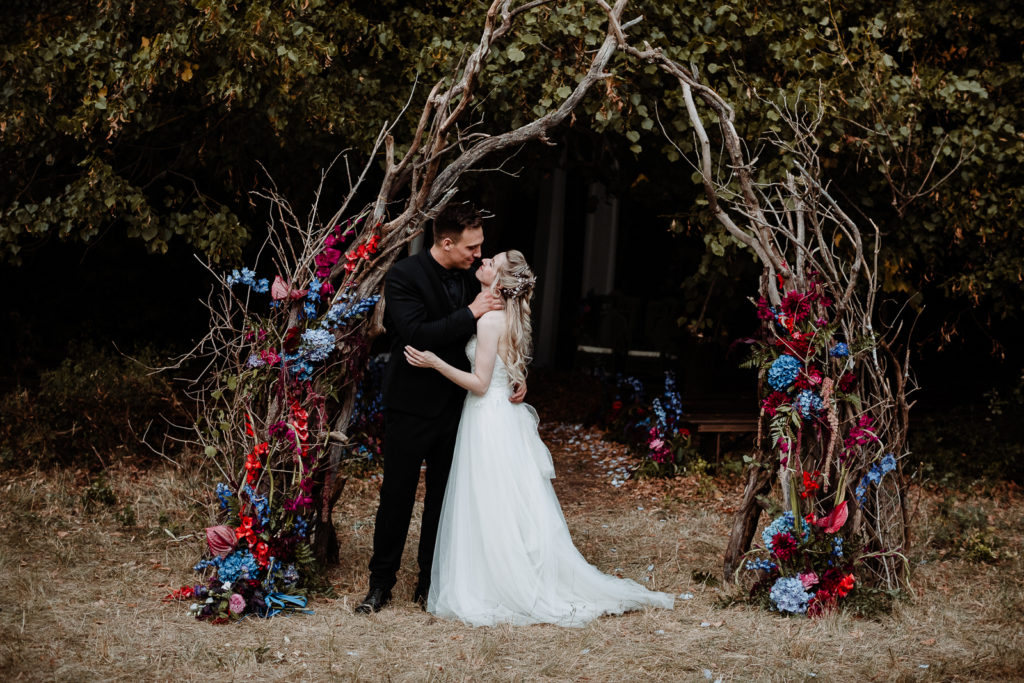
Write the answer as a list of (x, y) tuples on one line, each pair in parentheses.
[(514, 283)]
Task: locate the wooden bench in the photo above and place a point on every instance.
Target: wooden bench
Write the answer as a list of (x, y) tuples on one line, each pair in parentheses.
[(722, 423)]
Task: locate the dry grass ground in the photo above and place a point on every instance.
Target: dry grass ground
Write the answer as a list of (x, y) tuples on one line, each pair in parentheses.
[(82, 589)]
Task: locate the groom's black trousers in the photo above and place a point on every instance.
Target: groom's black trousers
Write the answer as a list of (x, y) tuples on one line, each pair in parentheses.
[(409, 440)]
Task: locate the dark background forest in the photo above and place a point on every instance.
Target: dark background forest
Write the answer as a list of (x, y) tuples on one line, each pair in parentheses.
[(134, 133)]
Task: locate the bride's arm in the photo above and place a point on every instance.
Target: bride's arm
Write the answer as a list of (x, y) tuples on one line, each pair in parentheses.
[(488, 330)]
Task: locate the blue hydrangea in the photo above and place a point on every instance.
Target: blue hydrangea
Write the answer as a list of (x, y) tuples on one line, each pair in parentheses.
[(255, 361), (238, 565), (262, 286), (789, 595), (764, 565), (779, 525), (224, 493), (840, 350), (809, 403), (316, 345), (291, 574), (783, 372)]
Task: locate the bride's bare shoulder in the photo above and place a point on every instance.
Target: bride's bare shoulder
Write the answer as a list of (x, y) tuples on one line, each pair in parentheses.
[(495, 319)]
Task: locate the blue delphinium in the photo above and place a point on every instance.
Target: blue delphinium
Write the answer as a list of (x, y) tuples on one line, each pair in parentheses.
[(248, 277), (314, 290), (224, 493), (809, 403), (765, 565), (783, 372), (301, 527), (874, 475), (789, 595), (309, 309), (659, 411), (259, 504), (840, 350), (316, 344), (340, 313), (888, 463), (837, 546)]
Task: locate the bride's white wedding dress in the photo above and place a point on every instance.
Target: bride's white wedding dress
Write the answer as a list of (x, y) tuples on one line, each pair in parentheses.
[(503, 552)]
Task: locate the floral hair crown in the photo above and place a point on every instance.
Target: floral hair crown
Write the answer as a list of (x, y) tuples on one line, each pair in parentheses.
[(523, 284)]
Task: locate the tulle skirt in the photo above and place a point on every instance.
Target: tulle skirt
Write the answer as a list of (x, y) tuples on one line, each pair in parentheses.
[(503, 552)]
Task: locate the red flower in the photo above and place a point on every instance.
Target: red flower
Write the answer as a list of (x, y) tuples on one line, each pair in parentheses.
[(183, 593), (616, 406), (810, 485), (796, 347), (685, 433), (245, 531), (845, 586), (261, 552)]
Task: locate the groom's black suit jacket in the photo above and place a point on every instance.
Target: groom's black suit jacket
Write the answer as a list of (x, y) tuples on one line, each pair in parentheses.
[(420, 313)]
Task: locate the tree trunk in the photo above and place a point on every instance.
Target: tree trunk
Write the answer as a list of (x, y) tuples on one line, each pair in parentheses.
[(744, 524)]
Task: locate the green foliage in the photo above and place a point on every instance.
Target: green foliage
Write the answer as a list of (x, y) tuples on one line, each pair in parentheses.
[(972, 441), (94, 406), (965, 531), (99, 493)]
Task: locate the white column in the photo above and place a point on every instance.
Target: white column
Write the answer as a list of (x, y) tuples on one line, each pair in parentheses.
[(600, 237)]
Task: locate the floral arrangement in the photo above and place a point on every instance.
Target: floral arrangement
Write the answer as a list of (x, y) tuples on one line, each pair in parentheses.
[(265, 423), (656, 431), (814, 555)]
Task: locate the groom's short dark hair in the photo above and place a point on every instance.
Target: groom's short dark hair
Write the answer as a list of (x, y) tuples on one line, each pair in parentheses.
[(454, 219)]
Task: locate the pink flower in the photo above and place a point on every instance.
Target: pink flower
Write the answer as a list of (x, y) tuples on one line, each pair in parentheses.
[(220, 540), (656, 444), (236, 603), (808, 579)]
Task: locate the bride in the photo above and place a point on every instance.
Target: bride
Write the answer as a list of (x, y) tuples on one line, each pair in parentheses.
[(503, 551)]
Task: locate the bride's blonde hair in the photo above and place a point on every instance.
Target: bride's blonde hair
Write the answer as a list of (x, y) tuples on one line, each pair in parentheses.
[(514, 283)]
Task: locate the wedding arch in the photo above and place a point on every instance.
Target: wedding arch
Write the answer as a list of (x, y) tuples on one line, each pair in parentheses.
[(289, 338)]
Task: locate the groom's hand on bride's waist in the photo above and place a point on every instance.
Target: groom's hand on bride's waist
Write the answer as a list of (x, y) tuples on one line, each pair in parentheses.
[(484, 302), (518, 393)]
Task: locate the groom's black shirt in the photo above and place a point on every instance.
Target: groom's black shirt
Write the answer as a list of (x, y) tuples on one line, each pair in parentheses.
[(424, 312)]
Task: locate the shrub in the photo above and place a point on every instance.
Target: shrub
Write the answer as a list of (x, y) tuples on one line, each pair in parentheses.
[(93, 407)]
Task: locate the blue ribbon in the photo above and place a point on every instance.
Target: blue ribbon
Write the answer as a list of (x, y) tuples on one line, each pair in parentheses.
[(280, 603)]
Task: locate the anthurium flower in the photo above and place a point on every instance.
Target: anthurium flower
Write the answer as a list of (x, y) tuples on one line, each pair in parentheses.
[(835, 520), (221, 540)]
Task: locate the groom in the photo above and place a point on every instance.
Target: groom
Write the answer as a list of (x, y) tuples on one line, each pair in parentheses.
[(432, 302)]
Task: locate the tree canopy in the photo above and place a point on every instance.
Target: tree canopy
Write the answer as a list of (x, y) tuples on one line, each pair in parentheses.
[(150, 121)]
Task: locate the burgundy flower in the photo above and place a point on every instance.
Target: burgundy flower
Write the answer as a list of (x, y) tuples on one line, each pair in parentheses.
[(773, 401), (783, 545), (221, 540)]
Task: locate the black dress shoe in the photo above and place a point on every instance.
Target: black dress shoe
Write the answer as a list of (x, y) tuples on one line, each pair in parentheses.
[(419, 596), (376, 600)]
